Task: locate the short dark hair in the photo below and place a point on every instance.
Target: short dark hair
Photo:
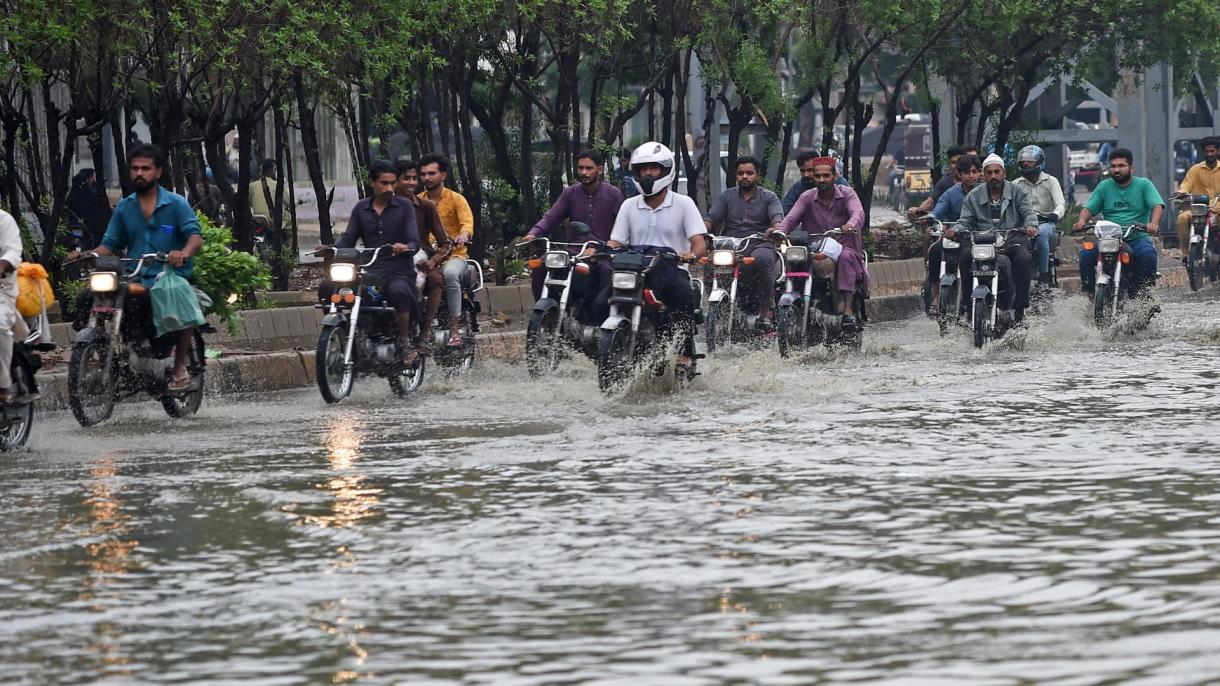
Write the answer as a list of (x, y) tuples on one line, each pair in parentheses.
[(436, 158), (966, 161), (379, 167), (1122, 154), (746, 159), (955, 151), (404, 165), (147, 151), (593, 156), (268, 165), (804, 156), (1209, 140), (970, 149)]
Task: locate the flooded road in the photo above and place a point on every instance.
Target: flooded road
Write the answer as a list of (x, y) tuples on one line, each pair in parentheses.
[(1046, 512)]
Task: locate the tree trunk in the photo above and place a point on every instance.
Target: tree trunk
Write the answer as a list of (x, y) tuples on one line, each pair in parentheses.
[(784, 151), (279, 270), (313, 159)]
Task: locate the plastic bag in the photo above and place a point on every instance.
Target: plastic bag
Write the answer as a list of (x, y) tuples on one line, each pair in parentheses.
[(174, 304), (34, 292)]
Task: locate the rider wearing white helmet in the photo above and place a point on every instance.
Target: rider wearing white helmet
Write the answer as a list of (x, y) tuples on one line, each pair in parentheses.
[(1046, 195), (660, 219)]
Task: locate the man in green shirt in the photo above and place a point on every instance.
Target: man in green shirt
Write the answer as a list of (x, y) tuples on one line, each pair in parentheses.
[(1124, 199)]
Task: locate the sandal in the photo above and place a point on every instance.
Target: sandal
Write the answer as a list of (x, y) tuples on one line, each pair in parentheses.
[(6, 397), (455, 341), (410, 357), (178, 384)]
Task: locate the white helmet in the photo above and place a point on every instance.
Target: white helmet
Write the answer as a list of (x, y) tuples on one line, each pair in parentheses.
[(649, 153)]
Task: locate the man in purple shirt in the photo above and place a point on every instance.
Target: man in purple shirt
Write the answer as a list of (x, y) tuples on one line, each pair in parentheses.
[(828, 207), (592, 202)]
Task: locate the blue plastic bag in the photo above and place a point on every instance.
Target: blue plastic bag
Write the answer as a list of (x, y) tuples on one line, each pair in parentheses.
[(174, 304)]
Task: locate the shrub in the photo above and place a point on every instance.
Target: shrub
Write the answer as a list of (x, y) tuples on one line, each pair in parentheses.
[(222, 272)]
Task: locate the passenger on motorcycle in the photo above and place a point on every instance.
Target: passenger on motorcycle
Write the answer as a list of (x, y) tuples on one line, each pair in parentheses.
[(743, 211), (833, 206), (804, 163), (458, 221), (1046, 196), (1001, 204), (384, 219), (591, 201), (1202, 179), (153, 219), (10, 259), (949, 209), (432, 239), (1124, 199), (661, 219)]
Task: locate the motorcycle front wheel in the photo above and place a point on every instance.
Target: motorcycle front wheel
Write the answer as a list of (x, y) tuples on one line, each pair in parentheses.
[(17, 430), (980, 322), (614, 359), (91, 381), (788, 330), (947, 307), (719, 325), (1101, 305), (542, 342), (179, 405), (335, 379), (1194, 266)]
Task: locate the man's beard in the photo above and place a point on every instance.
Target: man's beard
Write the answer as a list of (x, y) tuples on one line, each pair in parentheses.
[(1211, 162), (746, 185), (142, 184), (825, 186), (995, 185), (1120, 177), (586, 180)]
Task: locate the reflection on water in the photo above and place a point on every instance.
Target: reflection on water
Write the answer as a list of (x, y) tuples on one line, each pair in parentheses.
[(1041, 511)]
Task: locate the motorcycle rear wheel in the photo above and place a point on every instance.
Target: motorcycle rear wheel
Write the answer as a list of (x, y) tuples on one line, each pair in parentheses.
[(335, 379), (17, 433), (179, 405), (409, 379), (91, 386)]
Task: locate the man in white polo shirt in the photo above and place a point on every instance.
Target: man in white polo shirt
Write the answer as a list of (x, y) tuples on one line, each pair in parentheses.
[(660, 219)]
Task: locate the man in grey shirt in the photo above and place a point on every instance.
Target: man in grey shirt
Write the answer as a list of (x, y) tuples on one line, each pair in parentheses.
[(743, 211)]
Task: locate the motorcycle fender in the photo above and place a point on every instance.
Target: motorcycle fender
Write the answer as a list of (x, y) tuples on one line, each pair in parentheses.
[(980, 292), (717, 295), (335, 320), (87, 335), (614, 321), (948, 279), (545, 305), (788, 299), (1196, 238), (1103, 278)]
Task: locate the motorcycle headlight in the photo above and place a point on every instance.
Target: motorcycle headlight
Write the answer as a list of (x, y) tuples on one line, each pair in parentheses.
[(557, 260), (103, 282), (342, 272), (796, 253), (1108, 245), (723, 258), (983, 252), (1199, 209), (625, 280)]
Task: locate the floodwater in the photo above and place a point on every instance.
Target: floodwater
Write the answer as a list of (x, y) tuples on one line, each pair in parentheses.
[(1043, 512)]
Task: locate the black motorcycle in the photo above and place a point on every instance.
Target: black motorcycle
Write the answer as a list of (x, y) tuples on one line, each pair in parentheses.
[(17, 416), (555, 327), (1203, 253), (359, 332), (988, 321), (458, 359), (118, 355), (631, 335), (943, 296)]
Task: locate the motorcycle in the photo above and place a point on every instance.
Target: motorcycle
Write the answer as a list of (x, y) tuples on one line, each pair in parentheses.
[(1054, 249), (1111, 293), (554, 327), (810, 310), (1203, 254), (726, 322), (17, 416), (118, 355), (987, 321), (631, 334), (459, 359), (944, 296), (262, 237)]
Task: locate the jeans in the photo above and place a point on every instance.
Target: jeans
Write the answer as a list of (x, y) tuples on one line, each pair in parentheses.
[(1042, 247), (672, 286), (454, 273), (1139, 274)]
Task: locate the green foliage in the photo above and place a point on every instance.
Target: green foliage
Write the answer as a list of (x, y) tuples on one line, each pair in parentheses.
[(221, 272)]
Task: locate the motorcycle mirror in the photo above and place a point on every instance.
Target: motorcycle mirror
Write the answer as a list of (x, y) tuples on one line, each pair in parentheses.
[(579, 229), (799, 237)]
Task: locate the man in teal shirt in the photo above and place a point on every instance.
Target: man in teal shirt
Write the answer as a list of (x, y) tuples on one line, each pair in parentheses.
[(1124, 199), (154, 219)]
